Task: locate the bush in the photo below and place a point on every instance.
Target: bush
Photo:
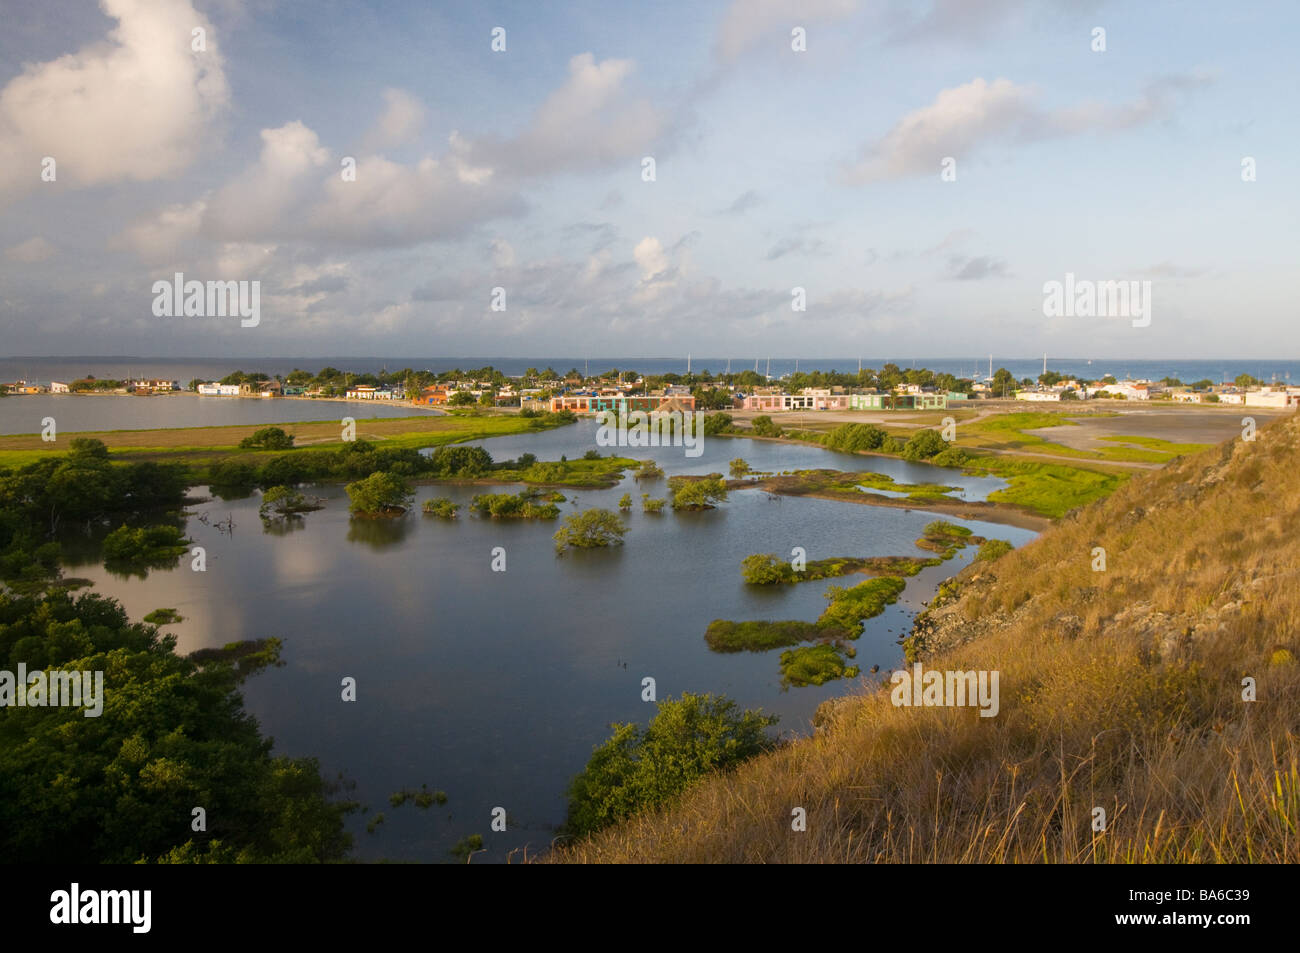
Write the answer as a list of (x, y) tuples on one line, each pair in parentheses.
[(924, 444), (147, 546), (952, 457), (854, 437), (283, 502), (703, 494), (514, 506), (764, 427), (441, 506), (267, 438), (88, 447), (639, 769), (991, 549), (380, 494), (739, 467), (589, 529), (716, 424), (462, 462), (232, 473), (651, 505), (765, 569)]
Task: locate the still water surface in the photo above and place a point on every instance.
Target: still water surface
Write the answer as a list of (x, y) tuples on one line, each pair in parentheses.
[(494, 686), (75, 413)]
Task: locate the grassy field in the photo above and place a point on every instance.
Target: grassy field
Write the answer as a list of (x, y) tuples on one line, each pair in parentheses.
[(201, 445)]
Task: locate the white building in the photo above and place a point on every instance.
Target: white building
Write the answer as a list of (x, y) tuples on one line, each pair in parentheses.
[(58, 387), (213, 389)]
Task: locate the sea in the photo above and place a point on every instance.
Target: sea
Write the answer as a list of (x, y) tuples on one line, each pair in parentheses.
[(45, 369)]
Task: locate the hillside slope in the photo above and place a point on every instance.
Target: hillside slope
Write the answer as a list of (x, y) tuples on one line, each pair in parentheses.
[(1120, 689)]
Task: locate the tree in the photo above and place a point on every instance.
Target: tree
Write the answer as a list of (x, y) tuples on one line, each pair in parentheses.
[(739, 467), (462, 398), (1247, 380), (762, 426), (1003, 381), (924, 444), (589, 529), (650, 505), (638, 769), (267, 438), (716, 423), (380, 494), (88, 447), (78, 790), (698, 494), (625, 502)]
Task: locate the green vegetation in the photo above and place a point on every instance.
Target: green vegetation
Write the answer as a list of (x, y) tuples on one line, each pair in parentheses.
[(590, 529), (649, 470), (814, 665), (847, 609), (522, 505), (1164, 448), (923, 445), (763, 426), (88, 448), (594, 472), (638, 769), (1048, 488), (155, 547), (284, 502), (164, 617), (625, 502), (723, 635), (766, 569), (842, 619), (120, 788), (739, 467), (442, 507), (715, 424), (697, 493), (267, 438), (992, 549), (380, 494), (851, 438), (467, 847), (423, 798), (650, 505), (946, 538)]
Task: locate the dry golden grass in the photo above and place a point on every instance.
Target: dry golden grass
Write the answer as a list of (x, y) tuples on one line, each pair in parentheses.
[(1120, 689)]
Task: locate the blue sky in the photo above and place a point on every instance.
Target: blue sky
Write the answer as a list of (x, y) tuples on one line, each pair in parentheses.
[(775, 169)]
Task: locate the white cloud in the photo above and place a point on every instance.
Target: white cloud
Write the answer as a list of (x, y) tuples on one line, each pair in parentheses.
[(956, 123), (258, 201), (133, 107), (963, 119), (160, 237), (401, 119), (649, 255), (749, 22), (31, 251), (588, 122)]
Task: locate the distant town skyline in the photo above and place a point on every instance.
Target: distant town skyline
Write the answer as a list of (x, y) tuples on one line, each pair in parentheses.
[(474, 180)]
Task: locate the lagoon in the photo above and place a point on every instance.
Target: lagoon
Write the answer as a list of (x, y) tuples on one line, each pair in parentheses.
[(494, 686)]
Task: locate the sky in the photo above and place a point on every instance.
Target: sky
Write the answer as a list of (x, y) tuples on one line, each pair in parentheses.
[(649, 179)]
